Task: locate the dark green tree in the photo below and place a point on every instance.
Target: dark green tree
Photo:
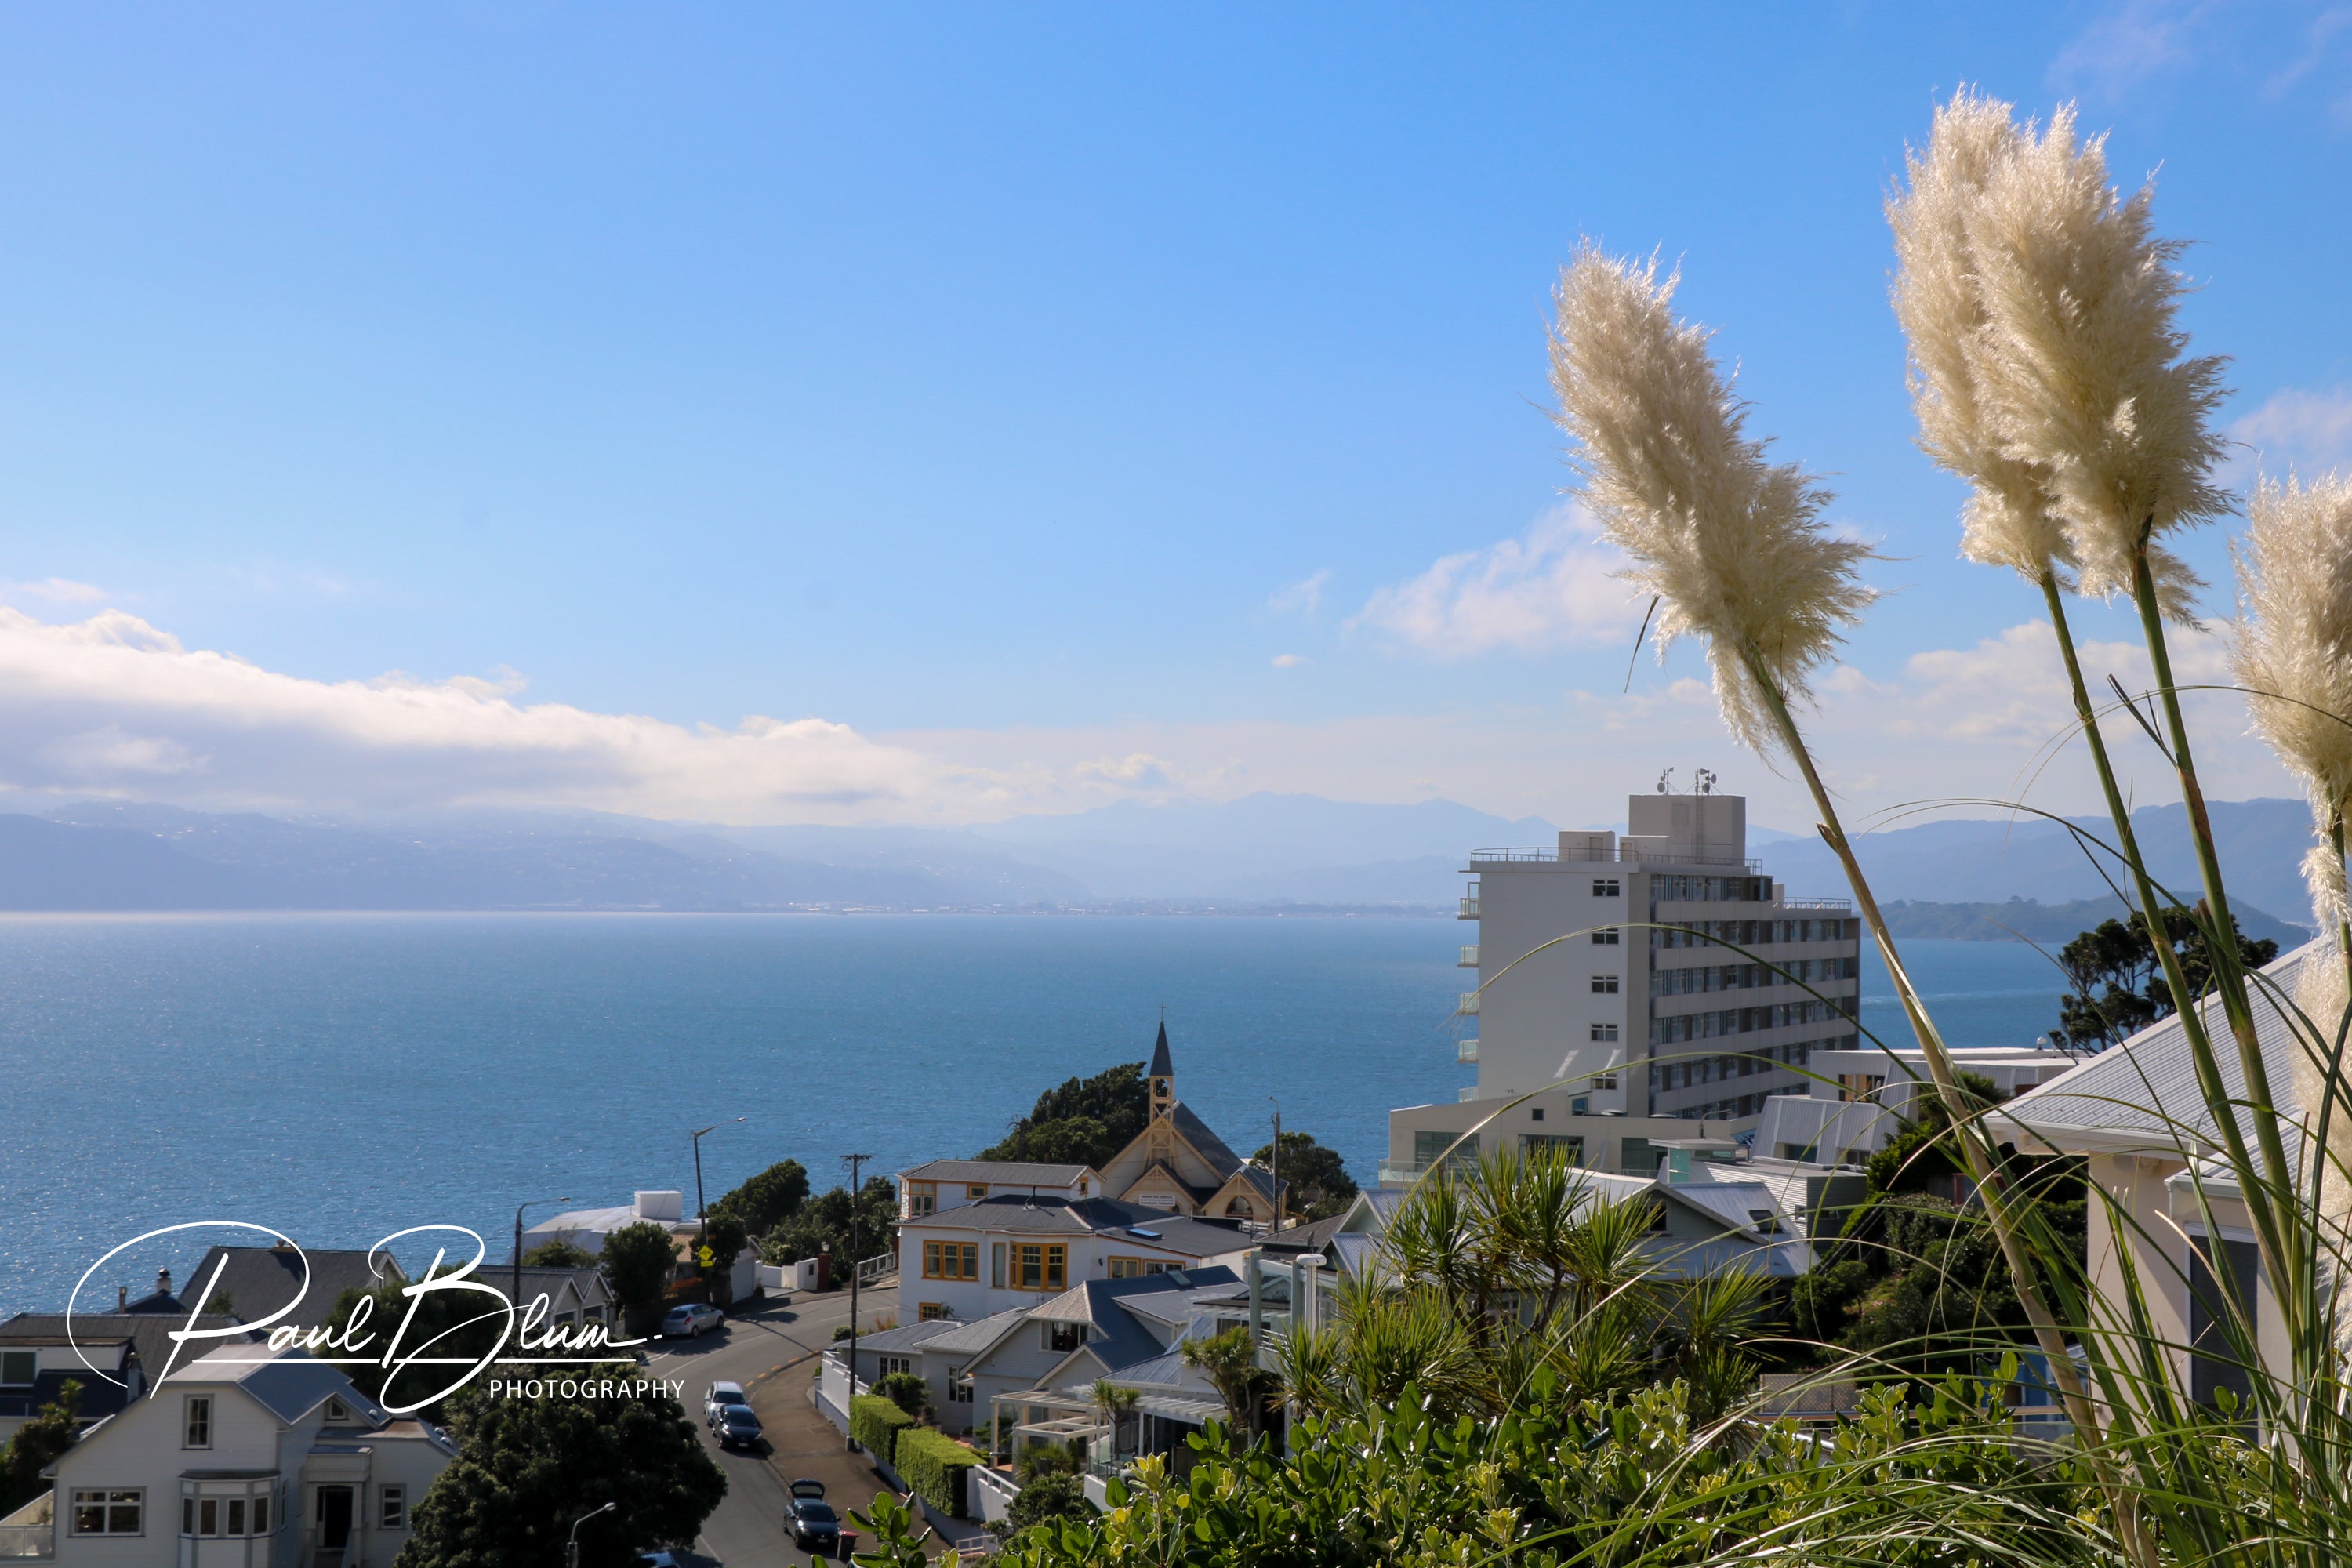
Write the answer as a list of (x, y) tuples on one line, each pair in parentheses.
[(1317, 1176), (907, 1391), (1083, 1121), (1051, 1496), (726, 1239), (765, 1200), (1923, 1150), (638, 1261), (2117, 979), (447, 1323), (39, 1444), (558, 1254), (528, 1467), (823, 1225)]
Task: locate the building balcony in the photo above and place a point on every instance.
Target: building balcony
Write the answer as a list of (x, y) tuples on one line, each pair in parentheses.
[(1469, 959), (1466, 1050), (1616, 856), (1468, 1007), (1469, 910)]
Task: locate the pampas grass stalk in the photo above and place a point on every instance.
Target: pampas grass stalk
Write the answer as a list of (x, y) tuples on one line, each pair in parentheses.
[(1734, 548)]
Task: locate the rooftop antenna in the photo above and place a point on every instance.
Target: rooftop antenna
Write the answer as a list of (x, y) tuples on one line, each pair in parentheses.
[(1706, 781), (1666, 782)]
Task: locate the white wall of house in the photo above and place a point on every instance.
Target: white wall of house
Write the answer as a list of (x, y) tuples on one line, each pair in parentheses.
[(1087, 1255)]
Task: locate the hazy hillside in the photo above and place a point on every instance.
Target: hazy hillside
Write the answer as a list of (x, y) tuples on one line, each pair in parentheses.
[(2262, 842), (2052, 925)]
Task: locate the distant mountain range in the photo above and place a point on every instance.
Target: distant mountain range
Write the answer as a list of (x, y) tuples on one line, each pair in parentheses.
[(1261, 852)]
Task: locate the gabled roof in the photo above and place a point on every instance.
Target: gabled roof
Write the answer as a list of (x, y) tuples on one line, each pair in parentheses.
[(970, 1339), (998, 1172), (258, 1281), (2142, 1095), (289, 1383), (1205, 1144), (906, 1336), (150, 1335), (1047, 1215)]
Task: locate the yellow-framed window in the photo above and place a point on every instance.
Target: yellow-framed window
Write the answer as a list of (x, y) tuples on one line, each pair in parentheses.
[(1126, 1267)]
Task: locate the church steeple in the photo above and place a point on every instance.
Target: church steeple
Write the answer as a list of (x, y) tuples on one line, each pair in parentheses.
[(1162, 1074)]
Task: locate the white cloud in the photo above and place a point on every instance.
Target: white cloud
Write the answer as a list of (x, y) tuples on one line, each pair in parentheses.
[(2303, 430), (112, 703), (1549, 588), (1304, 598), (2128, 44), (54, 591), (1288, 661)]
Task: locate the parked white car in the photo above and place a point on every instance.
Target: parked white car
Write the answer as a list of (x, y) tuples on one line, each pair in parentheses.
[(719, 1397), (690, 1322)]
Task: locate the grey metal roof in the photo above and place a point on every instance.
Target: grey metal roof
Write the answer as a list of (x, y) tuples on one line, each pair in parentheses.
[(289, 1382), (150, 1335), (970, 1339), (2142, 1095), (998, 1172), (1051, 1216), (906, 1336), (1211, 1147), (258, 1281)]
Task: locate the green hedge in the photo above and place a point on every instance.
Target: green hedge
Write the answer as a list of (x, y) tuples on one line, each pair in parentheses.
[(935, 1465), (874, 1426)]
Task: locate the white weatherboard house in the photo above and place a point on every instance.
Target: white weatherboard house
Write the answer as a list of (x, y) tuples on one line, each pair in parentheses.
[(247, 1458), (1636, 1025), (2134, 1113)]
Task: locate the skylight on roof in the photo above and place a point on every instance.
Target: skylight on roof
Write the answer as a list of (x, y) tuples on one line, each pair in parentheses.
[(1147, 1234)]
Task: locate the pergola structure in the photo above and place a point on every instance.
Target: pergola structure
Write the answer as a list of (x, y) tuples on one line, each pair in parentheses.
[(1045, 1414)]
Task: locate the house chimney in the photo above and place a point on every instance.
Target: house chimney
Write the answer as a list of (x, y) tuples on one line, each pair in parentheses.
[(121, 1297), (163, 1281)]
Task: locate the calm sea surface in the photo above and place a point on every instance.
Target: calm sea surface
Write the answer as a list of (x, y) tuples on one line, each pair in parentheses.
[(339, 1077)]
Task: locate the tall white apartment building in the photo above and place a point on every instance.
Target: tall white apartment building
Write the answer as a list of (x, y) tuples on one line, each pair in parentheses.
[(1633, 985)]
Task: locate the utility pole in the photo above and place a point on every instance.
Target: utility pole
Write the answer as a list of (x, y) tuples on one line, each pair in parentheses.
[(853, 1161), (1276, 1173), (700, 1213)]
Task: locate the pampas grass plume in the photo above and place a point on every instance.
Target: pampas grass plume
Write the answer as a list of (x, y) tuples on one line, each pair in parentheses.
[(1732, 545), (2293, 652), (2082, 369), (1937, 300)]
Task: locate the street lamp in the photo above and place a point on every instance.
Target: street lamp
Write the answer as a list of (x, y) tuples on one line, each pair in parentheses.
[(701, 1214), (571, 1547), (514, 1297)]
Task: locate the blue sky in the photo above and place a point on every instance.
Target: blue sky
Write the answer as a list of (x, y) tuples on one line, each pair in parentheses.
[(1059, 404)]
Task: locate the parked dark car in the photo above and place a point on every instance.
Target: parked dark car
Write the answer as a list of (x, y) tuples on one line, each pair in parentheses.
[(810, 1520), (737, 1427)]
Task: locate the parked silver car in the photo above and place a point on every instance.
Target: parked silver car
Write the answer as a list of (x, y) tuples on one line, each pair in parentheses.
[(718, 1397), (690, 1321)]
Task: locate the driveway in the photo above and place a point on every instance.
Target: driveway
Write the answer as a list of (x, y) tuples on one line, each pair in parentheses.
[(779, 1344)]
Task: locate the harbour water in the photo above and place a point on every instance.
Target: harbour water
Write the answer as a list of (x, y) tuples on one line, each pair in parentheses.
[(342, 1077)]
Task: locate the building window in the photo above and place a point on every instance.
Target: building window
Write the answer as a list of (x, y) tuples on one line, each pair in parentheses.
[(889, 1365), (959, 1386), (1605, 937), (102, 1513), (1062, 1336), (951, 1260), (1604, 1034), (19, 1369), (1040, 1267), (196, 1428), (1568, 1149), (1859, 1085), (1126, 1267), (1604, 986), (931, 1311), (1535, 1114), (975, 1190), (1154, 1265), (996, 1265), (1428, 1148), (923, 1198), (392, 1508), (1604, 887)]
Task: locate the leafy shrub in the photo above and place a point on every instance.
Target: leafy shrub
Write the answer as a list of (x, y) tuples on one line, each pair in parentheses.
[(1042, 1459), (875, 1423), (907, 1391), (1049, 1497), (935, 1466)]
